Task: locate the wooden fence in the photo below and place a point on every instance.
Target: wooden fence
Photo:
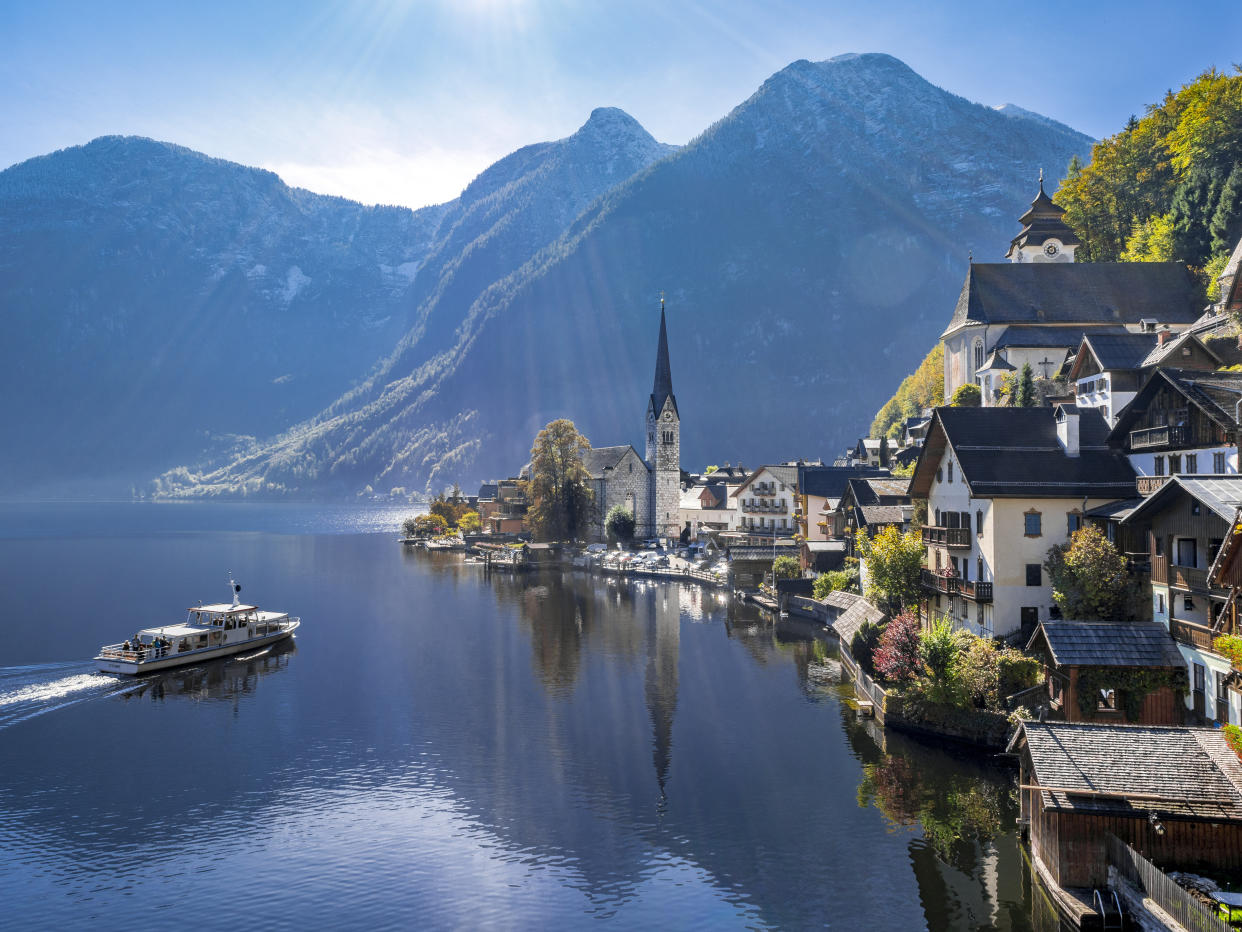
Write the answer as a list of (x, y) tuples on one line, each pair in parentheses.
[(866, 688), (1156, 885)]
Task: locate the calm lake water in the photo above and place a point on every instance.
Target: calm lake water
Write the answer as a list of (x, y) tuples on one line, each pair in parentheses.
[(441, 750)]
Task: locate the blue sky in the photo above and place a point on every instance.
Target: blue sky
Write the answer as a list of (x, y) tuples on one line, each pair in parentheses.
[(404, 101)]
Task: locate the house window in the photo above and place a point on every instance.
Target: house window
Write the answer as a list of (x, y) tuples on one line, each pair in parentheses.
[(1107, 701), (1213, 549), (978, 355), (1112, 532), (979, 522), (939, 475), (950, 471), (1175, 463), (1188, 604), (1074, 521), (966, 520), (1158, 469), (1222, 699), (1034, 576), (1160, 603), (938, 524), (1034, 527), (1194, 508), (1187, 552), (1200, 677), (979, 569), (1192, 463), (1218, 463), (1159, 546)]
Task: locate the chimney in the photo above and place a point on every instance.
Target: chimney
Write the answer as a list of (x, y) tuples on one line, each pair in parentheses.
[(1067, 429), (1162, 338)]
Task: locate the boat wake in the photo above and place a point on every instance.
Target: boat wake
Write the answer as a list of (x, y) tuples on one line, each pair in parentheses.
[(29, 691)]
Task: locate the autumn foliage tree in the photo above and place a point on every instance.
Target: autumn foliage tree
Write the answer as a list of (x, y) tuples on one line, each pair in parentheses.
[(899, 657), (1089, 579), (924, 388), (561, 502), (894, 563)]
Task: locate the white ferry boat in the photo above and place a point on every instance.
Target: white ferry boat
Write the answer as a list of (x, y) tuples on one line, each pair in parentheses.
[(209, 631)]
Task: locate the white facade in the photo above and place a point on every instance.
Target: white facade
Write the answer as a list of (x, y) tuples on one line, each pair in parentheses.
[(1050, 250), (1206, 461), (1096, 391), (765, 504)]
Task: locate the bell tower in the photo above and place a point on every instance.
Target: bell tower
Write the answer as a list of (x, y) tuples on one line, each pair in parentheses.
[(1045, 236), (664, 442)]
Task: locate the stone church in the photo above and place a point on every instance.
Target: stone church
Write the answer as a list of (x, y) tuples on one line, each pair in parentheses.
[(650, 486), (1037, 307)]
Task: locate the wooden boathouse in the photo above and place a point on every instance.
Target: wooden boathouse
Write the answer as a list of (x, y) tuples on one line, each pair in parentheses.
[(1174, 795)]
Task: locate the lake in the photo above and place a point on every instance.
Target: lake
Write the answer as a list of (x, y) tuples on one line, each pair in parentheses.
[(443, 750)]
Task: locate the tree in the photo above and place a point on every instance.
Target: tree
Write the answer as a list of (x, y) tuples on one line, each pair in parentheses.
[(898, 659), (966, 396), (1089, 579), (864, 644), (559, 490), (924, 388), (939, 648), (882, 455), (894, 563), (1024, 395), (470, 523), (786, 567), (710, 469), (620, 524), (428, 525)]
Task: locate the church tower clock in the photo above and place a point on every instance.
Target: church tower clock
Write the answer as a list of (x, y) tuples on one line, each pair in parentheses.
[(664, 443)]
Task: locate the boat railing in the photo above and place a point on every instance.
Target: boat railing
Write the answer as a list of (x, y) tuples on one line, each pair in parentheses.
[(150, 652), (118, 652)]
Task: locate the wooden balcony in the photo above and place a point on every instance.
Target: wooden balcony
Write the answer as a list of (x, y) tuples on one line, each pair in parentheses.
[(1149, 484), (1191, 634), (1189, 578), (973, 590), (952, 537), (1168, 437)]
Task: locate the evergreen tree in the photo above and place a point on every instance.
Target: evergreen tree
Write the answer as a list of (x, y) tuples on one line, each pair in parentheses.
[(1024, 395), (883, 454), (620, 524)]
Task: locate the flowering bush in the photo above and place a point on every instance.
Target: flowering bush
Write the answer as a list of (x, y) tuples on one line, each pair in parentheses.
[(898, 658)]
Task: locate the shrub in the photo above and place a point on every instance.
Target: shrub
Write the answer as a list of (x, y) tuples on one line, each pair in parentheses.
[(834, 581), (1233, 738), (939, 648), (898, 659), (620, 524), (470, 523), (1230, 645), (786, 568), (864, 643)]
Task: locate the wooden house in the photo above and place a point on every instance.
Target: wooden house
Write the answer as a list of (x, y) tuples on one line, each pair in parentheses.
[(1186, 522), (1172, 794), (1087, 664)]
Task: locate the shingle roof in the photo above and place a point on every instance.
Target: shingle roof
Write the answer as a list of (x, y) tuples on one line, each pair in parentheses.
[(1222, 494), (1014, 452), (1215, 393), (1075, 293), (1191, 770), (996, 363), (597, 459), (850, 620), (1160, 353), (1120, 350), (882, 514), (1036, 337), (830, 481), (1108, 644)]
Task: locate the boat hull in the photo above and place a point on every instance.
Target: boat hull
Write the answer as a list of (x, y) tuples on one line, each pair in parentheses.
[(138, 668)]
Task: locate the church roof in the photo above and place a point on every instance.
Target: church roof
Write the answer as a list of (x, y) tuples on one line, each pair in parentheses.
[(597, 459), (662, 388), (1085, 294)]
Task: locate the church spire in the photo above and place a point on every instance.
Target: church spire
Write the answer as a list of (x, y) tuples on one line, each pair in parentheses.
[(662, 388)]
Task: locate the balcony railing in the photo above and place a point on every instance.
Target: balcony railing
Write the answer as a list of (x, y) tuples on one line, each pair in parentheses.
[(1191, 634), (1167, 436), (947, 536), (1149, 484), (1187, 577), (974, 590)]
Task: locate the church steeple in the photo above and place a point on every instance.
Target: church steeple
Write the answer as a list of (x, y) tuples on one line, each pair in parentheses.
[(1045, 236), (662, 388)]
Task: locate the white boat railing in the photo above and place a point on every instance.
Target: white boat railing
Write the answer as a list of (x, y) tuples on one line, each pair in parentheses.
[(143, 654)]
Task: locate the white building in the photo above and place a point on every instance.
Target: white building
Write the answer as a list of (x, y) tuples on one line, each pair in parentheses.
[(1003, 486)]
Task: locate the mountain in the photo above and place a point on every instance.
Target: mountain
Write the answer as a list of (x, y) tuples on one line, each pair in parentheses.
[(162, 305), (157, 301), (811, 245)]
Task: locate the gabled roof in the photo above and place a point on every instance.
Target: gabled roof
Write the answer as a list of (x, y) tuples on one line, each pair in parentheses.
[(1108, 644), (488, 490), (1220, 494), (786, 474), (1015, 453), (1114, 351), (831, 481), (1120, 768), (597, 459), (1077, 293), (1174, 347), (1024, 336), (1216, 394), (852, 618), (883, 514), (996, 362)]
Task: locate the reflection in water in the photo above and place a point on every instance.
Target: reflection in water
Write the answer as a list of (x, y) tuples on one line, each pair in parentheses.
[(227, 678)]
